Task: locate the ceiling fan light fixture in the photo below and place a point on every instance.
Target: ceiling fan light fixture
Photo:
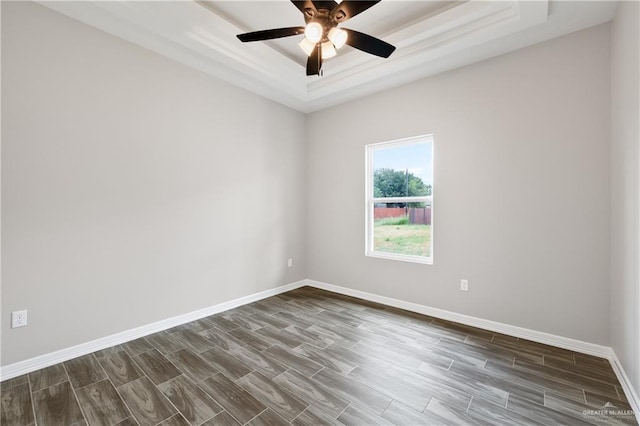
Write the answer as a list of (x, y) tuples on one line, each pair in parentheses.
[(307, 46), (313, 32), (328, 51), (338, 37)]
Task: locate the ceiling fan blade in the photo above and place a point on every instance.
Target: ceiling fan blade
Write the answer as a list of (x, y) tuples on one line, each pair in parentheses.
[(350, 8), (369, 44), (270, 34), (325, 4), (314, 62), (306, 7)]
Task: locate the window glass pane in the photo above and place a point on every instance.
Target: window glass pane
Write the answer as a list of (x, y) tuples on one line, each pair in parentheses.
[(402, 170), (402, 228)]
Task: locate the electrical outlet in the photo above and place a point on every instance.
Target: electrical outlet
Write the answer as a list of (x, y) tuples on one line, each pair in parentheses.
[(464, 285), (290, 263), (18, 319)]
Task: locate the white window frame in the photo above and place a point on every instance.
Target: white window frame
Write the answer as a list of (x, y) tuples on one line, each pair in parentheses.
[(370, 201)]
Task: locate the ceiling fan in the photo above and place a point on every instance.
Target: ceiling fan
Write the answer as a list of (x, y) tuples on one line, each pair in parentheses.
[(321, 34)]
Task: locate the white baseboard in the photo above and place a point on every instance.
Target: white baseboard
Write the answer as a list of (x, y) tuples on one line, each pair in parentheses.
[(627, 387), (498, 327), (42, 361)]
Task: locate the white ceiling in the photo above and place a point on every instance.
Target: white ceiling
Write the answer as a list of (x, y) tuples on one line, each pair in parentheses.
[(430, 37)]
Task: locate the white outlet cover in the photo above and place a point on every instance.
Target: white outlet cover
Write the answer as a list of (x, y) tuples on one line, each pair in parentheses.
[(18, 319), (464, 285), (290, 263)]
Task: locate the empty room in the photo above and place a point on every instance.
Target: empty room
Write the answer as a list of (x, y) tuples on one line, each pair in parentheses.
[(320, 212)]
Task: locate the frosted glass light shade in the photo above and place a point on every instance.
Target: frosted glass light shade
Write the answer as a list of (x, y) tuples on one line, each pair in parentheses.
[(338, 37), (307, 46), (328, 51), (313, 32)]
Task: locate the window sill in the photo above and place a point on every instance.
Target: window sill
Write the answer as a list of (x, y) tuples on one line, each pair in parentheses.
[(400, 257)]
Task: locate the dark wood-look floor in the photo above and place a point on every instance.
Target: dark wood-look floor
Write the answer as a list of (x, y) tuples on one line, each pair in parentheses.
[(309, 357)]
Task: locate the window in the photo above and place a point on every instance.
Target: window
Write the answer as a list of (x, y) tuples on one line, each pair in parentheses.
[(399, 199)]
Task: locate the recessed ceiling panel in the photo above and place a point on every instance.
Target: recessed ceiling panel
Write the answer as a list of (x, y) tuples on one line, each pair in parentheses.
[(429, 36)]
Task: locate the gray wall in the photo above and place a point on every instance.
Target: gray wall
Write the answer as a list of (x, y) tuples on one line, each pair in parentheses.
[(521, 188), (625, 165), (134, 188)]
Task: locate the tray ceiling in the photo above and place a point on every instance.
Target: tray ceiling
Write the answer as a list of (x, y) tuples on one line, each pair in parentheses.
[(430, 36)]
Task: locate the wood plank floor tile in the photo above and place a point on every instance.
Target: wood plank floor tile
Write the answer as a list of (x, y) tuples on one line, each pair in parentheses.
[(136, 347), (337, 336), (194, 341), (247, 355), (355, 415), (454, 415), (220, 338), (312, 392), (467, 384), (497, 415), (165, 342), (175, 420), (46, 377), (309, 336), (351, 356), (599, 373), (56, 405), (15, 408), (192, 365), (398, 388), (273, 321), (258, 361), (129, 421), (389, 355), (226, 363), (274, 396), (204, 323), (400, 334), (16, 381), (351, 390), (539, 413), (399, 414), (444, 390), (249, 338), (193, 403), (533, 380), (339, 318), (277, 336), (148, 405), (107, 351), (325, 359), (101, 404), (608, 413), (84, 370), (591, 361), (221, 323), (302, 365), (313, 415), (510, 385), (295, 319), (267, 306), (238, 402), (156, 366), (567, 378), (119, 367), (268, 418), (243, 321), (596, 401), (222, 419)]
